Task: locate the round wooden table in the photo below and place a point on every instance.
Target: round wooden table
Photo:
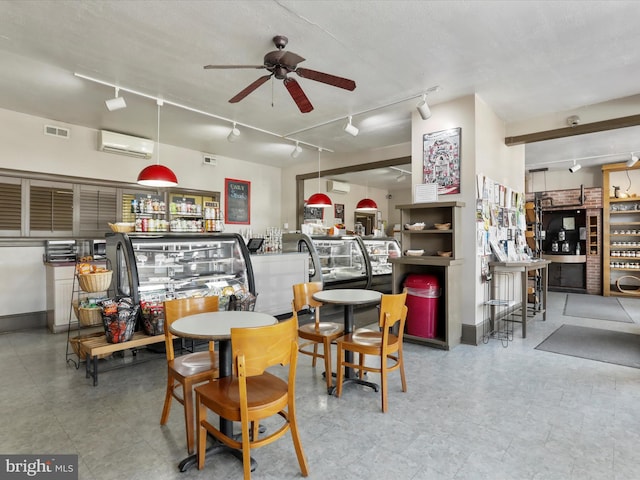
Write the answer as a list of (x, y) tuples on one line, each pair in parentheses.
[(349, 297)]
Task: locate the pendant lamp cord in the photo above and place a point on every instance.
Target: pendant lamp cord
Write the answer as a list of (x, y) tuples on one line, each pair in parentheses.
[(319, 150), (159, 103)]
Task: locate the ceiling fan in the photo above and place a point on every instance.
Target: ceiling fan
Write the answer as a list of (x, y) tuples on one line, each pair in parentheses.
[(280, 63)]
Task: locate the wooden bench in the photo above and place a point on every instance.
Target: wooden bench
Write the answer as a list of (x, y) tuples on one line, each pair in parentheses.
[(98, 346)]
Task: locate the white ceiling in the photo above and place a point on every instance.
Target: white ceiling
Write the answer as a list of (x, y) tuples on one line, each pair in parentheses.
[(524, 59)]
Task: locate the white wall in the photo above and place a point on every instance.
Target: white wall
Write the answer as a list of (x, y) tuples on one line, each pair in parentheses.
[(563, 179)]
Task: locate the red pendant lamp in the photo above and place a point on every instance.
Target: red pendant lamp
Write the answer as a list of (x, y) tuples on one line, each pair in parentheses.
[(319, 200), (366, 204), (157, 175)]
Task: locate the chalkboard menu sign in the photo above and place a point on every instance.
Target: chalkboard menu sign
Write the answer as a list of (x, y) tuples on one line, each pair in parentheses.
[(237, 203)]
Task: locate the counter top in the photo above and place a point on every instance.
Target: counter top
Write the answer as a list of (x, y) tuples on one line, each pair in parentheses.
[(560, 258)]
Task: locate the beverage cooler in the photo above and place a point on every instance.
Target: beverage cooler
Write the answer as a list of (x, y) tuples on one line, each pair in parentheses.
[(336, 261), (379, 251), (155, 267)]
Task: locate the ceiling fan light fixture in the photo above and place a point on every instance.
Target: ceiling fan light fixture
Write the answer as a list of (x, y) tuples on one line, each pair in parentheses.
[(350, 128), (297, 150), (366, 205), (234, 134), (423, 108), (115, 103), (632, 161)]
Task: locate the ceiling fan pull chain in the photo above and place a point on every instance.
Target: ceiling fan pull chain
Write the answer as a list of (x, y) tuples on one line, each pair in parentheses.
[(272, 92)]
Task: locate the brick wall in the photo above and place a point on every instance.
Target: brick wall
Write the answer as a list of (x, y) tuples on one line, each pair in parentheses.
[(558, 200)]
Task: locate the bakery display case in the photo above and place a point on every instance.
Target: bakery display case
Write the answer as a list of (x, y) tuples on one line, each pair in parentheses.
[(379, 251), (155, 267)]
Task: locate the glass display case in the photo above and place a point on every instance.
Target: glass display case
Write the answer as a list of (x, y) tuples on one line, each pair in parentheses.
[(379, 251), (155, 267), (300, 242), (343, 261)]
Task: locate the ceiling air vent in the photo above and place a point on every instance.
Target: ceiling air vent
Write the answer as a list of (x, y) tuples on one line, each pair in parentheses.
[(57, 131)]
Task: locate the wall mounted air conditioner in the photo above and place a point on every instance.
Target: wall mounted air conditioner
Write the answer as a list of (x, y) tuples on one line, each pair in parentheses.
[(112, 142), (338, 187)]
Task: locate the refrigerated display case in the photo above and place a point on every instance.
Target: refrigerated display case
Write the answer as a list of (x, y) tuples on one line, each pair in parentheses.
[(155, 267), (379, 251), (337, 261)]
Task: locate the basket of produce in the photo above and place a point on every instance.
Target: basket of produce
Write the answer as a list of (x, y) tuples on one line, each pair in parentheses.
[(122, 227), (119, 319), (76, 344), (87, 315)]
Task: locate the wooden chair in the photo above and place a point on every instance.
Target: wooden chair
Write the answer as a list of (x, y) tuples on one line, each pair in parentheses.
[(185, 371), (318, 332), (384, 344), (252, 394)]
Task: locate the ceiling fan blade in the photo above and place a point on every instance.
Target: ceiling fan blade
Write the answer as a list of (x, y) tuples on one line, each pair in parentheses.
[(221, 67), (326, 78), (250, 88), (298, 95)]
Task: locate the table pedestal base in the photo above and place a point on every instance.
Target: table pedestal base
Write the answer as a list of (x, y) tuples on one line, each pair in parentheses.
[(218, 447), (374, 386)]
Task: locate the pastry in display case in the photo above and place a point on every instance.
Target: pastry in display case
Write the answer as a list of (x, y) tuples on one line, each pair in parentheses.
[(152, 268), (379, 251)]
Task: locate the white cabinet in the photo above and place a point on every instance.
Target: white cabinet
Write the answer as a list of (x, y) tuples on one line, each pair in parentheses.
[(59, 293), (274, 277)]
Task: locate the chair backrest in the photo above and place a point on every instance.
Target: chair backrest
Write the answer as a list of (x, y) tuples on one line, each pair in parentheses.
[(303, 296), (181, 307), (263, 347), (393, 310)]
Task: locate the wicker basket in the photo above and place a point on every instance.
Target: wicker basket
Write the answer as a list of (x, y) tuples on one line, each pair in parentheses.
[(122, 227), (95, 282), (77, 340), (88, 316)]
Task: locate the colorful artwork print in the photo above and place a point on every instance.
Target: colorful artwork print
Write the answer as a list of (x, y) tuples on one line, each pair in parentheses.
[(441, 160)]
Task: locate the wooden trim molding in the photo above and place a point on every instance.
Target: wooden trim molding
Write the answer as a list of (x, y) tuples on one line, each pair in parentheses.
[(593, 127)]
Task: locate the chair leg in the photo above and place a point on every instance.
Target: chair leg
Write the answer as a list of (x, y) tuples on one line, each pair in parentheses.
[(383, 383), (168, 398), (297, 444), (187, 395), (315, 355), (401, 367), (327, 361), (339, 370), (201, 415), (246, 450), (361, 363)]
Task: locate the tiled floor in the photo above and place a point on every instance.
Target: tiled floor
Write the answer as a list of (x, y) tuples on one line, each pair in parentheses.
[(484, 412)]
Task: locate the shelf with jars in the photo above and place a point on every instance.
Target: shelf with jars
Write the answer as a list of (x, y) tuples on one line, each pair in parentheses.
[(150, 213)]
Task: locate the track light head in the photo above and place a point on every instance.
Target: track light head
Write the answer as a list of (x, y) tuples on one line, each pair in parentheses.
[(115, 103), (234, 134), (350, 128), (575, 168), (632, 161), (423, 108), (297, 150)]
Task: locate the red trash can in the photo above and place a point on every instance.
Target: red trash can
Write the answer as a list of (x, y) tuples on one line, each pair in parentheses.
[(423, 291)]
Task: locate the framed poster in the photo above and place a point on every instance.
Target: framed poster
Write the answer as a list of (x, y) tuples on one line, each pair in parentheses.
[(237, 201), (441, 160), (338, 211)]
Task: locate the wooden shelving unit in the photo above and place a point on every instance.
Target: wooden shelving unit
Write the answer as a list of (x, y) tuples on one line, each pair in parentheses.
[(621, 237), (448, 270)]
